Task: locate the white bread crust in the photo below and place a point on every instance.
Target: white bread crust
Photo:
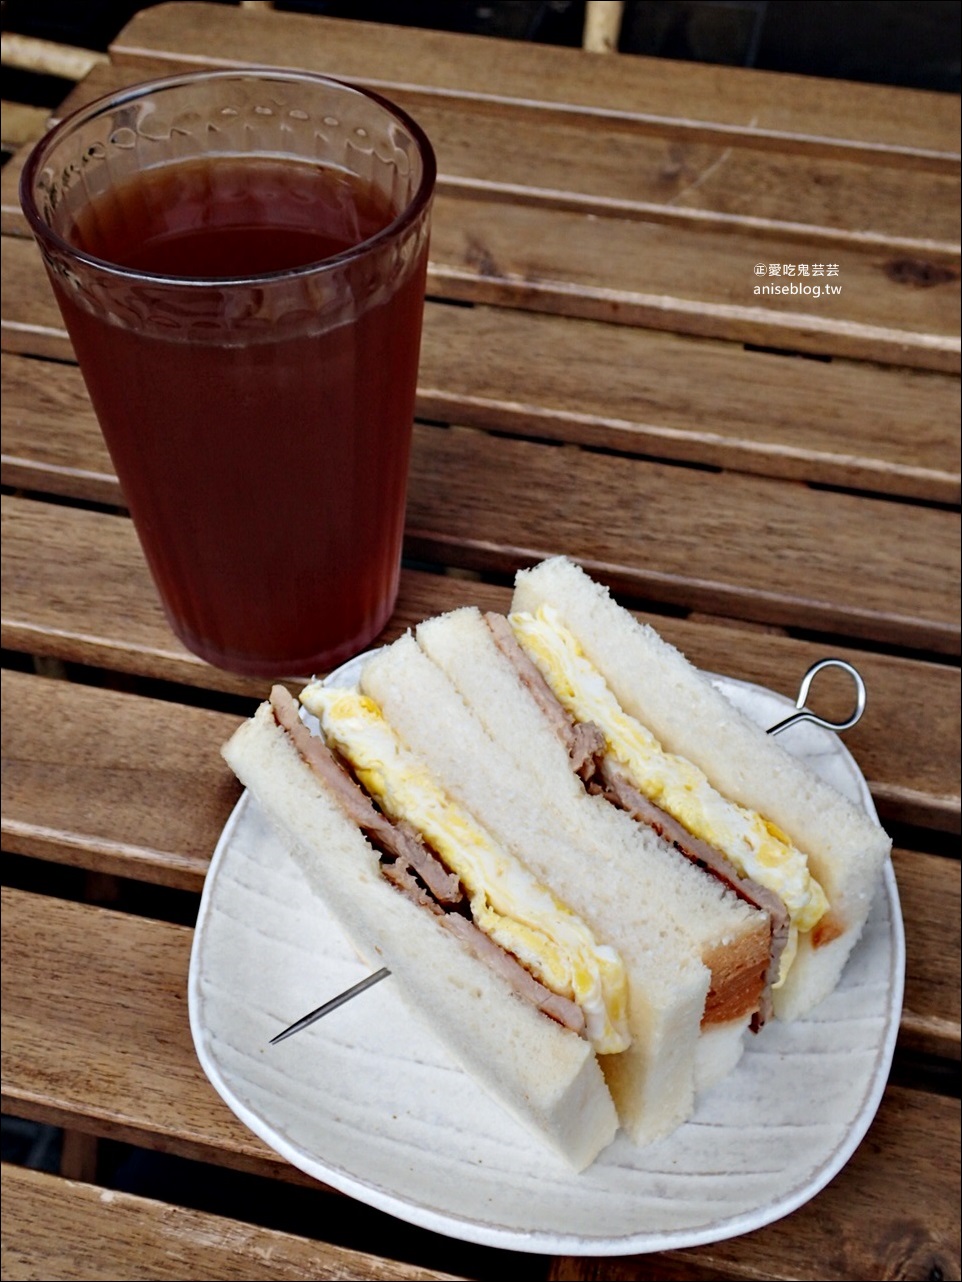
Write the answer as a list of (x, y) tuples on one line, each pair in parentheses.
[(545, 1076), (656, 683)]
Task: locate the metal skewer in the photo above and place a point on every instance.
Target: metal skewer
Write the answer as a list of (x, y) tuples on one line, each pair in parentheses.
[(333, 1004), (802, 714)]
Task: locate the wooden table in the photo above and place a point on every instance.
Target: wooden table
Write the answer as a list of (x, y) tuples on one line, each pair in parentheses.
[(769, 477)]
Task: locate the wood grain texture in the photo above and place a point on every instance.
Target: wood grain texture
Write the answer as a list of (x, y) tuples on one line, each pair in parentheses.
[(95, 603), (895, 304), (651, 276), (75, 588), (873, 1220), (128, 786), (779, 553), (610, 170), (137, 788), (640, 392), (605, 230), (12, 221), (20, 123), (775, 552), (40, 331), (692, 282), (106, 1044), (929, 890), (105, 1233), (623, 168), (97, 1038), (51, 441), (836, 422), (769, 109)]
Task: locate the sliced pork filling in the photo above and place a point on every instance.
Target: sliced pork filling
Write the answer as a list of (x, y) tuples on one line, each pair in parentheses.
[(414, 869), (585, 745)]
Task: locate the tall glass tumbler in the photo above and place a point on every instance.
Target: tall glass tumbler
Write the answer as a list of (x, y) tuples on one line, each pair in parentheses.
[(239, 258)]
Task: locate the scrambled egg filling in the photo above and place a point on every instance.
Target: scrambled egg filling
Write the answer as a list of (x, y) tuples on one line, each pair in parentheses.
[(506, 901), (757, 848)]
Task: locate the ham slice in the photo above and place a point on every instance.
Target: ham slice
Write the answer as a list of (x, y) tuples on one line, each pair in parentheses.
[(619, 790), (561, 1009), (395, 839), (586, 749), (415, 870), (583, 740)]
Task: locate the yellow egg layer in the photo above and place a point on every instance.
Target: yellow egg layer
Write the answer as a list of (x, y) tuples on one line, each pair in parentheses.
[(757, 847), (507, 902)]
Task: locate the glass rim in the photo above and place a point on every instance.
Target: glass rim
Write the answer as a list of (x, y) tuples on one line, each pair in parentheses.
[(44, 232)]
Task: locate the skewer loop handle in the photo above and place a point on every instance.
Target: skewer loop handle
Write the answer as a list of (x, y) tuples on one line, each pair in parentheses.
[(805, 714)]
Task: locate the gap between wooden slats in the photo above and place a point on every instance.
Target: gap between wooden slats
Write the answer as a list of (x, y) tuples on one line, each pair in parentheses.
[(616, 387), (767, 109), (898, 304), (682, 281), (76, 588), (887, 573), (776, 553), (885, 1216), (108, 1050), (125, 785), (692, 282), (133, 787), (829, 562), (617, 169), (107, 1233)]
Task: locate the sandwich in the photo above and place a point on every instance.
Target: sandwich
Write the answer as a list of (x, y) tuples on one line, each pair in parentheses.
[(587, 949), (669, 752), (510, 981)]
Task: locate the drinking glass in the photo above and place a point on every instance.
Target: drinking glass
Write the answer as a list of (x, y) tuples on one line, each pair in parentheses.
[(239, 258)]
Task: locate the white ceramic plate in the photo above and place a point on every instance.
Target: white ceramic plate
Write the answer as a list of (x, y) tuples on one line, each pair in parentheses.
[(367, 1102)]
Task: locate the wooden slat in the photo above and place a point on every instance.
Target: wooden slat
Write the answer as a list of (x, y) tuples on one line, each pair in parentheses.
[(51, 441), (12, 221), (768, 109), (48, 57), (687, 281), (778, 553), (20, 123), (128, 786), (36, 329), (692, 282), (618, 168), (75, 588), (886, 1216), (105, 1046), (137, 788), (57, 1228), (839, 422), (99, 607), (95, 1043), (930, 890), (125, 1066), (893, 306), (882, 590), (842, 423)]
